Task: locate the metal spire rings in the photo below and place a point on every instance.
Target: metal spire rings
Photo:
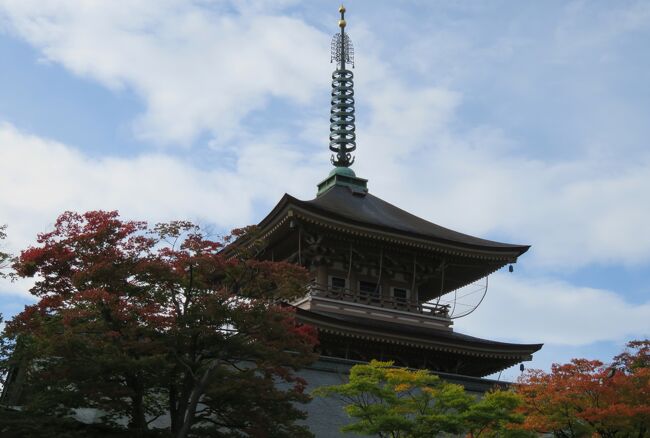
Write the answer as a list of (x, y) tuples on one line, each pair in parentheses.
[(342, 127)]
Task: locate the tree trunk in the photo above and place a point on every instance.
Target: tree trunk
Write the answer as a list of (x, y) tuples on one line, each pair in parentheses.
[(173, 407), (138, 423), (195, 396), (181, 399)]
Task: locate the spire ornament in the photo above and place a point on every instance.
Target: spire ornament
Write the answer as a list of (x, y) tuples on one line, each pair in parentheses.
[(342, 127), (342, 120)]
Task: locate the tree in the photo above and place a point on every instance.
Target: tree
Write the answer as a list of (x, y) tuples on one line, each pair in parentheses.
[(5, 258), (396, 402), (587, 398), (141, 322), (5, 273)]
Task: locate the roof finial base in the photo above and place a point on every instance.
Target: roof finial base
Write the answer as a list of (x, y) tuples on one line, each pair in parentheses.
[(343, 176)]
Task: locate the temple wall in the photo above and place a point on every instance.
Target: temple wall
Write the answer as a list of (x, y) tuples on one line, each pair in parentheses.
[(325, 415)]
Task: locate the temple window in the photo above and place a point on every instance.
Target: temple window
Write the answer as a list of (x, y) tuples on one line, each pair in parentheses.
[(400, 294), (338, 283), (369, 288)]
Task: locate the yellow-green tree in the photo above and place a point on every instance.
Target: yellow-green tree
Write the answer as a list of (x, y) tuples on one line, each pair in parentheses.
[(392, 402)]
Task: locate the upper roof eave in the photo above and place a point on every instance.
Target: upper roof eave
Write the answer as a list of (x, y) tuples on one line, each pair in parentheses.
[(287, 202)]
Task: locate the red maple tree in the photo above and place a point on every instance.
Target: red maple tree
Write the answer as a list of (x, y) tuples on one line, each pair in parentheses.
[(586, 398), (141, 322)]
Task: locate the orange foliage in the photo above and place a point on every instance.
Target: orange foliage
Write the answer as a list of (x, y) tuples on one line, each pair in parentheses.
[(588, 398)]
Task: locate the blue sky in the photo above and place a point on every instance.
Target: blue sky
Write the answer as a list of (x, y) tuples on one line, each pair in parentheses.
[(525, 122)]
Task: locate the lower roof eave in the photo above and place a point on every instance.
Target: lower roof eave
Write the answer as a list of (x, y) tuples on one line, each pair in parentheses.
[(435, 346), (459, 345)]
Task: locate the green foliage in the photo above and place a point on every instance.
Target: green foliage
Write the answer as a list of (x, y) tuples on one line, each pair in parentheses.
[(17, 424), (5, 258), (495, 415), (396, 402)]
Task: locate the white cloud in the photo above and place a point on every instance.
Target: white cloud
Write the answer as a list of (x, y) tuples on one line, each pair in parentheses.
[(43, 178), (573, 213), (197, 68), (15, 294), (547, 310), (200, 69), (47, 177), (204, 69), (581, 28)]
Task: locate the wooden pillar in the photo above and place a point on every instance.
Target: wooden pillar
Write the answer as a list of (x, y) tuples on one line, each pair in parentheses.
[(321, 276), (414, 295)]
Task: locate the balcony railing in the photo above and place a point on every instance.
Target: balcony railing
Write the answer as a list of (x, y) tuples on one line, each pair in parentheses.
[(377, 300)]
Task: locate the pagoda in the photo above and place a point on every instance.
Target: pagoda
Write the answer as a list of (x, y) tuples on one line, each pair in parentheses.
[(379, 273)]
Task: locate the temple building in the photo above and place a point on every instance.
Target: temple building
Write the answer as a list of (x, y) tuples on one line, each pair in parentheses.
[(385, 283)]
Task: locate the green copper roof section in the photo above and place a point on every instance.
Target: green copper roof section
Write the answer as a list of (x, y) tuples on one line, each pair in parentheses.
[(343, 171), (343, 176)]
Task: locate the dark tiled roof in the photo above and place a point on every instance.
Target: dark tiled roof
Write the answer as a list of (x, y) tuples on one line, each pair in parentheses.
[(422, 334), (368, 210)]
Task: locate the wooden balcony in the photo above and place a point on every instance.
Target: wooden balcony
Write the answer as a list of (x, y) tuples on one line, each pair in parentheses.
[(374, 306)]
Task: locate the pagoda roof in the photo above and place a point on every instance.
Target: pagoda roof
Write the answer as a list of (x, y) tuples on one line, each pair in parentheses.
[(443, 338), (349, 207), (422, 338)]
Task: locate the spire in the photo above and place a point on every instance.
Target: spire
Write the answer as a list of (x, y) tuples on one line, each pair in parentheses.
[(342, 127)]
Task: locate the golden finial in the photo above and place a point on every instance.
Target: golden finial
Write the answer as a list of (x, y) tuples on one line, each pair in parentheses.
[(342, 50)]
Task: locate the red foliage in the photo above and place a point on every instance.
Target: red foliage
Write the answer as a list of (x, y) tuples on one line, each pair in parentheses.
[(586, 397), (147, 307)]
